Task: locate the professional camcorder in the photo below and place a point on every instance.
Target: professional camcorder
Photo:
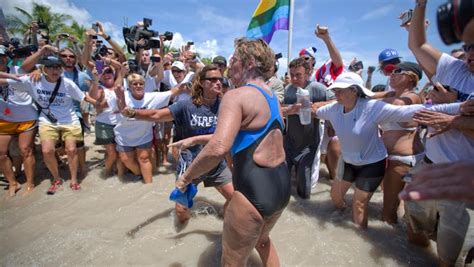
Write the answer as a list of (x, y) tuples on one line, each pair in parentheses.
[(452, 18), (151, 38), (19, 51)]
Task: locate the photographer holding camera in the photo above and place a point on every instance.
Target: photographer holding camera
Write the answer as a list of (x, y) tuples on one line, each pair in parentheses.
[(451, 220)]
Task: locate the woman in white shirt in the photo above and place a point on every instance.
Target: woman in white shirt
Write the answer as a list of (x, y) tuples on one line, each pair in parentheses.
[(106, 118), (355, 120), (134, 137)]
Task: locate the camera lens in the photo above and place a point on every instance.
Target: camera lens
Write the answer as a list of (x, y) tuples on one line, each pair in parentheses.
[(444, 17)]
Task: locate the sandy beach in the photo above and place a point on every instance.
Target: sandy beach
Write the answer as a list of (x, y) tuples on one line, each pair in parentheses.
[(116, 223)]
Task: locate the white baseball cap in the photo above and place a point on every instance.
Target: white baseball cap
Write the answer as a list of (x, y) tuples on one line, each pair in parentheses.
[(179, 65), (348, 79)]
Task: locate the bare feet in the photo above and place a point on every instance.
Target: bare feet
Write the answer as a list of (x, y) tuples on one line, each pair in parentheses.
[(12, 189), (28, 189), (417, 239)]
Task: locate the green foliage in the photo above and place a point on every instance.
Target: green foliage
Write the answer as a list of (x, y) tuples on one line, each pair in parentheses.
[(19, 24), (206, 60)]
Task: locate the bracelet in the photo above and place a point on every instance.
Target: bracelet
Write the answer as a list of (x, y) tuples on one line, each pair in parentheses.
[(132, 113), (107, 38)]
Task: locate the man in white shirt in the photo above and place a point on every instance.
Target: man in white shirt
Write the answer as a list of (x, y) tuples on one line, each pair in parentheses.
[(57, 119), (451, 221)]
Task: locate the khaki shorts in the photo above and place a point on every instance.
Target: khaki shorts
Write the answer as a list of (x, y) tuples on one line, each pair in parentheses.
[(14, 128), (60, 132), (451, 223)]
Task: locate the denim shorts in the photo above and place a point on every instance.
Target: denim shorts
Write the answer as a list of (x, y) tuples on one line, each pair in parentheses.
[(121, 148)]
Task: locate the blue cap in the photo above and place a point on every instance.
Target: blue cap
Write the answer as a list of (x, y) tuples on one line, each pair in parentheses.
[(388, 54)]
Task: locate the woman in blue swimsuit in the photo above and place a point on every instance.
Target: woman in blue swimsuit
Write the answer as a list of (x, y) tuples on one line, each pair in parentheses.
[(250, 126)]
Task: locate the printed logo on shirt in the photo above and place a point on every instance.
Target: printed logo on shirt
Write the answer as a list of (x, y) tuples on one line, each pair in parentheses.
[(203, 121)]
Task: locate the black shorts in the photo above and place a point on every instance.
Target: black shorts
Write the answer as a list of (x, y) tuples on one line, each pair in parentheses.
[(366, 177)]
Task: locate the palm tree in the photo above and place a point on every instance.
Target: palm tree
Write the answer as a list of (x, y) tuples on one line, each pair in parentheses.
[(55, 21), (77, 30)]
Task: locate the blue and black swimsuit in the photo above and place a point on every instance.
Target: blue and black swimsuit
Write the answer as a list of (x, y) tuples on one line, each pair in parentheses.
[(268, 189)]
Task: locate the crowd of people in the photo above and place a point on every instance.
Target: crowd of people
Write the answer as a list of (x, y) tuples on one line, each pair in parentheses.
[(239, 128)]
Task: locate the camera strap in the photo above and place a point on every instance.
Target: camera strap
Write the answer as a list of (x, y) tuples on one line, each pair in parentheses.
[(52, 97)]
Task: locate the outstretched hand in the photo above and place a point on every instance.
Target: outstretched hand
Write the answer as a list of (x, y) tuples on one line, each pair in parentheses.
[(467, 108), (453, 181), (182, 144), (440, 122)]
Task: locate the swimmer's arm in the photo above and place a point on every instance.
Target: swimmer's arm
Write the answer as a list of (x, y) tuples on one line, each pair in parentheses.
[(230, 118)]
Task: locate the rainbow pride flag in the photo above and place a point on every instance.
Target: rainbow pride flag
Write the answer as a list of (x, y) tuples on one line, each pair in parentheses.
[(270, 15)]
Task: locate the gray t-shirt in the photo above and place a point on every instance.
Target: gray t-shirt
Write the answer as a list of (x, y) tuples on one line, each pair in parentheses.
[(192, 120), (298, 136)]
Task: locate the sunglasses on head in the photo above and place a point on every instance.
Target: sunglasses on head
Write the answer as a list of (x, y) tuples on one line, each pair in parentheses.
[(467, 47), (214, 79)]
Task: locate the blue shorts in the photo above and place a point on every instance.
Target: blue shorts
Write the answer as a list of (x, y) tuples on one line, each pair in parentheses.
[(121, 148)]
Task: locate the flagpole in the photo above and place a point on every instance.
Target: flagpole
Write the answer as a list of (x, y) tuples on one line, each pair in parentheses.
[(290, 31)]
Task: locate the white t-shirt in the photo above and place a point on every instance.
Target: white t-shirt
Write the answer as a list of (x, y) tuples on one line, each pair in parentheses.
[(62, 107), (452, 145), (169, 80), (358, 129), (109, 114), (133, 132), (16, 105), (455, 73)]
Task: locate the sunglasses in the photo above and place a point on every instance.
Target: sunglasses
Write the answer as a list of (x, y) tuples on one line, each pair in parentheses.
[(68, 56), (467, 48), (399, 71), (214, 79), (307, 58), (177, 71)]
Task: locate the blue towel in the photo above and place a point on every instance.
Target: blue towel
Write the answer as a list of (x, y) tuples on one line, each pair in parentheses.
[(186, 198)]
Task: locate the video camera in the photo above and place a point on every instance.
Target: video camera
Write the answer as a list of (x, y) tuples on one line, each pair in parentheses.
[(19, 51), (133, 66), (151, 38), (100, 50), (452, 18), (42, 25)]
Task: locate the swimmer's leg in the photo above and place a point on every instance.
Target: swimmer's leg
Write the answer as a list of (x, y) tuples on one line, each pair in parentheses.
[(265, 246), (243, 225)]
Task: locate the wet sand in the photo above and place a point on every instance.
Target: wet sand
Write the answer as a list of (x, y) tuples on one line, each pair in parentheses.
[(115, 223)]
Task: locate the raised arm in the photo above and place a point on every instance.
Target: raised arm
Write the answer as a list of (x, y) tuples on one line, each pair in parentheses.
[(323, 34), (115, 45), (425, 53), (30, 62)]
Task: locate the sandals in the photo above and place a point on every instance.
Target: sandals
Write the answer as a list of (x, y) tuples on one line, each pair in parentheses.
[(75, 186), (54, 187)]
